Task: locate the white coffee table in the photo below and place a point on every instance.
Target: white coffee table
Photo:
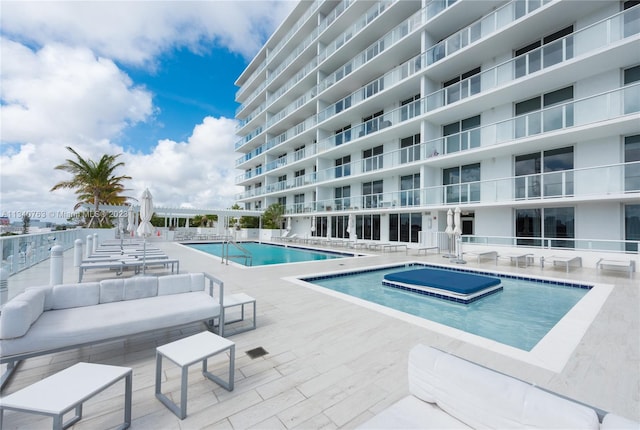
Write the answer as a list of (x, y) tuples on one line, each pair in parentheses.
[(68, 389), (188, 351), (241, 300)]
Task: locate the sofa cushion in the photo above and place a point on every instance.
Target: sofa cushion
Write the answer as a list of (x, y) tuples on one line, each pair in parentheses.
[(412, 413), (20, 313), (139, 287), (197, 281), (174, 284), (75, 295), (111, 290), (48, 295), (483, 398), (616, 422)]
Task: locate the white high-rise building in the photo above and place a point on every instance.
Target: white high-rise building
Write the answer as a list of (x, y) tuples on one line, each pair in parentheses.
[(525, 114)]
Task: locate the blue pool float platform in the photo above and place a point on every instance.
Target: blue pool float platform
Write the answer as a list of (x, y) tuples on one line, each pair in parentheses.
[(444, 284)]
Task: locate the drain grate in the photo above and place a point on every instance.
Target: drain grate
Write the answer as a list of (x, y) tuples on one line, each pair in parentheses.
[(257, 352)]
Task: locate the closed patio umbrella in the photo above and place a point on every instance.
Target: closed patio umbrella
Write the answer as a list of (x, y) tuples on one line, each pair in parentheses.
[(130, 221), (449, 231), (350, 226), (288, 224), (313, 223), (145, 229), (457, 232)]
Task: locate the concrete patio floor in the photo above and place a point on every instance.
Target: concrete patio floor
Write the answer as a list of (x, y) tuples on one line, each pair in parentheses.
[(330, 363)]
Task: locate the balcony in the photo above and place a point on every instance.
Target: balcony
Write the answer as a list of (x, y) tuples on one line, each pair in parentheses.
[(616, 181), (598, 36)]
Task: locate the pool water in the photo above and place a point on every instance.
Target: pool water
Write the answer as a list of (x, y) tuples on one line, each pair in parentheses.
[(265, 254), (520, 315)]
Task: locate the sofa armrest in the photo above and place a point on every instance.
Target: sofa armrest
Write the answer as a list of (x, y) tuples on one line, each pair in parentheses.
[(213, 283)]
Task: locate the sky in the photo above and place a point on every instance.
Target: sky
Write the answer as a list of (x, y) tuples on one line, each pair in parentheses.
[(152, 81)]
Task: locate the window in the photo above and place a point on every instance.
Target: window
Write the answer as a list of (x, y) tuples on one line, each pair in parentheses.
[(631, 17), (345, 103), (299, 177), (342, 197), (462, 86), (462, 135), (632, 227), (371, 123), (372, 159), (371, 194), (373, 88), (550, 50), (320, 227), (298, 153), (557, 180), (282, 201), (343, 166), (298, 203), (410, 149), (538, 114), (405, 227), (631, 94), (343, 135), (410, 108), (368, 227), (339, 226), (410, 190), (632, 163), (462, 184), (558, 226), (258, 169)]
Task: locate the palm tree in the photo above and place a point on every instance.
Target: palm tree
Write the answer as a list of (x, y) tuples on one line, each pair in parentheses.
[(94, 182)]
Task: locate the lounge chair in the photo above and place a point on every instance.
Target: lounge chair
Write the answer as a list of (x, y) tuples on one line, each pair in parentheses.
[(567, 262), (484, 255), (616, 265), (283, 236), (290, 238)]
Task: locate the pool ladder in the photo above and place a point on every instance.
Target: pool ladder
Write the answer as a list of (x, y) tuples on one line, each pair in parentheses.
[(248, 258)]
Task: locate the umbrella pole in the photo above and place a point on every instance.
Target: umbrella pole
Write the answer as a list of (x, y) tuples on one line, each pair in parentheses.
[(144, 256)]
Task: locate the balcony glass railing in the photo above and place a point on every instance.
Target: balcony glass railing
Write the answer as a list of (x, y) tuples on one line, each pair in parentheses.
[(585, 183), (360, 23), (581, 43), (485, 26), (391, 38)]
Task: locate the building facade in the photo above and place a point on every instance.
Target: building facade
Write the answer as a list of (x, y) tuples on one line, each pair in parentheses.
[(525, 114)]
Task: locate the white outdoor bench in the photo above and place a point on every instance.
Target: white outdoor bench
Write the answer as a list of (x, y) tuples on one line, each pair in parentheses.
[(426, 249), (395, 247)]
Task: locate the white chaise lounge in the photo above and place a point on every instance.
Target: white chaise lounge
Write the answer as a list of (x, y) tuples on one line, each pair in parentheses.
[(448, 392), (48, 319)]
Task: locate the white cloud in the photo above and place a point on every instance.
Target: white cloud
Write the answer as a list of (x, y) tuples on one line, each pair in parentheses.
[(65, 94), (198, 173), (62, 86), (136, 32)]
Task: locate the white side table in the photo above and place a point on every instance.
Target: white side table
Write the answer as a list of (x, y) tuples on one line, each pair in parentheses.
[(240, 299), (188, 351), (68, 389)]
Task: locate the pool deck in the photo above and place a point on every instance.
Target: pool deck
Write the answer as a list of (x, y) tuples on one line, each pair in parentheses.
[(331, 362)]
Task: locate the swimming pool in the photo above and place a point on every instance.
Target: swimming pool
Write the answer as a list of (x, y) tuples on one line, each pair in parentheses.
[(519, 316), (266, 254)]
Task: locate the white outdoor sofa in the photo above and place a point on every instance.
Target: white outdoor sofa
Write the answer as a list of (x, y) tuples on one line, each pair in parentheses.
[(48, 319), (448, 392)]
